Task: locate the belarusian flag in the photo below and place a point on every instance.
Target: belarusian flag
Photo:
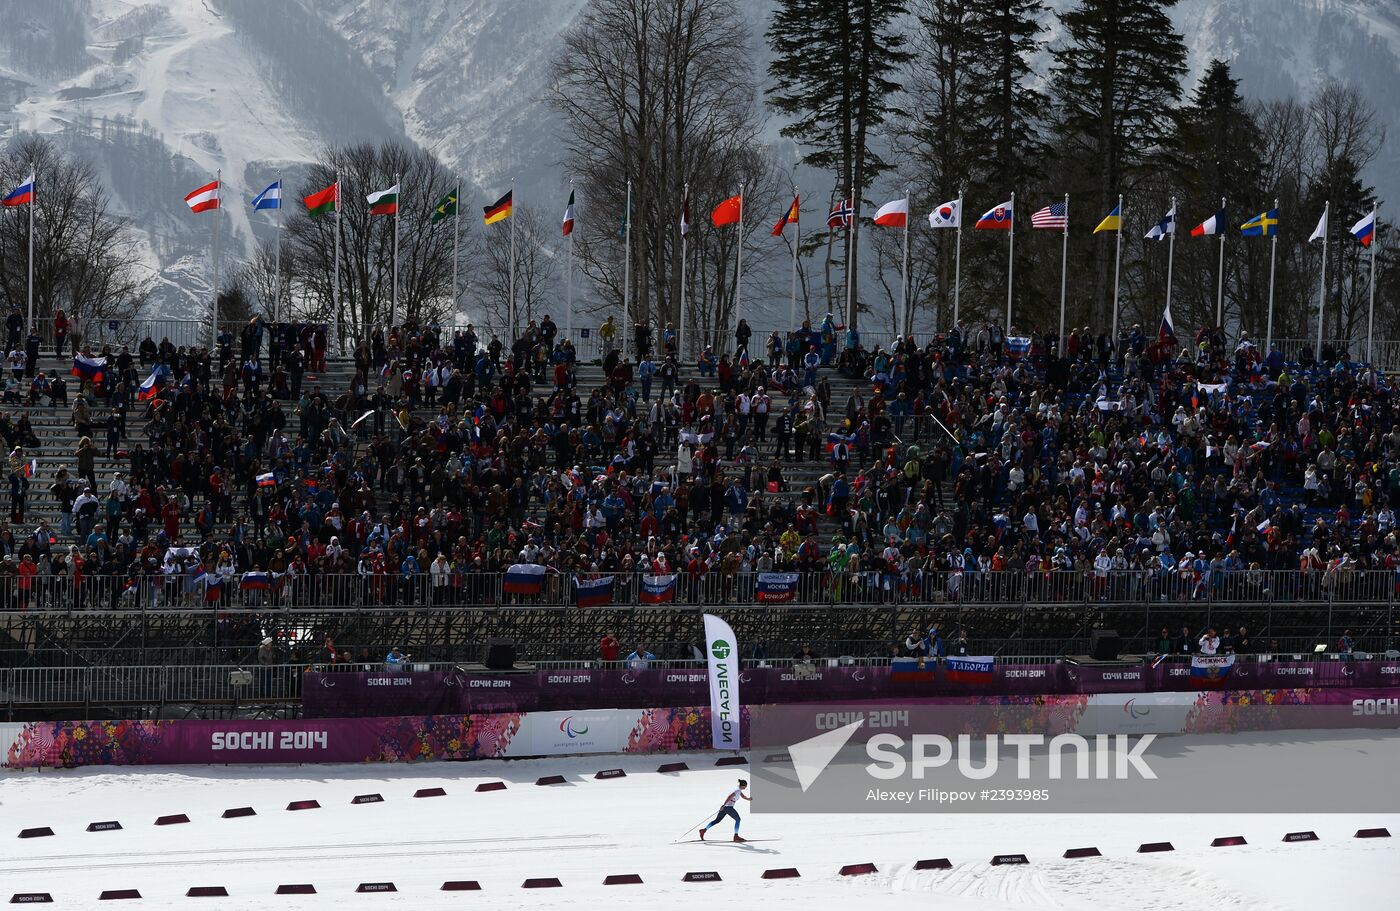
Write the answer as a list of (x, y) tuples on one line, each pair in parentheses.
[(385, 202), (447, 206), (324, 202)]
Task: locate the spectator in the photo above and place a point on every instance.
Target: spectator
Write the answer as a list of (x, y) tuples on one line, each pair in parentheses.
[(640, 659), (396, 661), (1209, 643), (608, 648)]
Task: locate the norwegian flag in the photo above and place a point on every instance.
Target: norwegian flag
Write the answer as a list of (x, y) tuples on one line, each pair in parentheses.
[(840, 216)]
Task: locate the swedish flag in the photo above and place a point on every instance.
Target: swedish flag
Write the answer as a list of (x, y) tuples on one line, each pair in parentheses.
[(1264, 225)]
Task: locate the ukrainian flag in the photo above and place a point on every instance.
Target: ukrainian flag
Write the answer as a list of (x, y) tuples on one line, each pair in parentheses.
[(1113, 221), (1265, 225)]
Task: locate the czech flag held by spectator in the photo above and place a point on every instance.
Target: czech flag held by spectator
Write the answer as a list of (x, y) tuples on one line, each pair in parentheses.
[(89, 368), (594, 592), (524, 579)]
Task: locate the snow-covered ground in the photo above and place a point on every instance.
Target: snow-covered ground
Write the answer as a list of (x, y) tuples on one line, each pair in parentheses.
[(587, 829)]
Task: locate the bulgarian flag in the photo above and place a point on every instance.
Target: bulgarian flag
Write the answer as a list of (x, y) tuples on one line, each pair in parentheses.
[(385, 202), (324, 202)]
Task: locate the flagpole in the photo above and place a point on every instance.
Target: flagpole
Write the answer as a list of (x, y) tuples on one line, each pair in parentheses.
[(1375, 248), (1273, 253), (957, 260), (1010, 263), (626, 267), (277, 260), (904, 273), (1171, 250), (739, 267), (394, 305), (1064, 265), (33, 199), (685, 229), (1322, 287), (569, 282), (456, 237), (335, 275), (850, 242), (797, 239), (1117, 261), (1220, 277), (513, 203), (214, 307)]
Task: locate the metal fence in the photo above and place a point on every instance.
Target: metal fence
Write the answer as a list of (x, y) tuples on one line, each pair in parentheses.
[(553, 588)]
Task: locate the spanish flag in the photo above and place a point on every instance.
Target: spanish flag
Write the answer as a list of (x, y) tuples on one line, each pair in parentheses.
[(1113, 221), (499, 210)]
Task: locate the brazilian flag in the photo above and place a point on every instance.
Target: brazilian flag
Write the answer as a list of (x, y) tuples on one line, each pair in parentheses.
[(446, 207)]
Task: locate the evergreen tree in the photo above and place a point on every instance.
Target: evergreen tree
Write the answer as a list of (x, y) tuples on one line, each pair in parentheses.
[(1116, 83), (833, 67), (1007, 35)]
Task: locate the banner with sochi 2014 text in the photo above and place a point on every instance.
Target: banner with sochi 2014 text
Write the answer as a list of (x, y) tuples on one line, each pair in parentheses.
[(722, 652)]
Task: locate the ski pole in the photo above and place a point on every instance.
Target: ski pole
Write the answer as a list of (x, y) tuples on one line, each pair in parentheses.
[(688, 831)]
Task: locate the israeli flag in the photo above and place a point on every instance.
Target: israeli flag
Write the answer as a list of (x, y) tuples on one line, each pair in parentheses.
[(271, 198)]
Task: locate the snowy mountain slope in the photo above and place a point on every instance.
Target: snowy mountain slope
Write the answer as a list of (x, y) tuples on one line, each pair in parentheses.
[(161, 94)]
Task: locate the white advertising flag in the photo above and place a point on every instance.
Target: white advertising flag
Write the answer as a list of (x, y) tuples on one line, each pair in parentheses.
[(722, 651)]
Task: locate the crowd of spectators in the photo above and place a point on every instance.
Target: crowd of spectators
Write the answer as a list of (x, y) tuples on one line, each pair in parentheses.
[(968, 463)]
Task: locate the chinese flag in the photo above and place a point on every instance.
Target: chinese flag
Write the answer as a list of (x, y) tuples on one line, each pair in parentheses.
[(727, 212)]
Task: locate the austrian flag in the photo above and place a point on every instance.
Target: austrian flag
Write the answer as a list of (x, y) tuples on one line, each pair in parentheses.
[(204, 199)]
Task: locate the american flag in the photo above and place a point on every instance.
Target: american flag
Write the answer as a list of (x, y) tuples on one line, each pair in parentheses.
[(1054, 216), (840, 216)]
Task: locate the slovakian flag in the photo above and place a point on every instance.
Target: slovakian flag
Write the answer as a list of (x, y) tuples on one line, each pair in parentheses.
[(594, 592), (728, 211), (1211, 671), (658, 589), (995, 219), (568, 226), (89, 368), (777, 587), (1365, 229), (150, 388), (22, 194), (255, 582), (893, 214), (1211, 226), (205, 198), (971, 669), (266, 479), (789, 217), (524, 579)]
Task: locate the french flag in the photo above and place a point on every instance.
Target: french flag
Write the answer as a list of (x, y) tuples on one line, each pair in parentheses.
[(89, 368), (658, 589), (22, 194), (1364, 230), (594, 592), (1211, 226), (524, 579)]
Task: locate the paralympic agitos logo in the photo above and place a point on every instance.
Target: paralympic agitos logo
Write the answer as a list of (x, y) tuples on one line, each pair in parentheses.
[(566, 727)]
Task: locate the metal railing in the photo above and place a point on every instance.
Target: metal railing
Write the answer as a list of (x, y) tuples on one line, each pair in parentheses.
[(817, 587)]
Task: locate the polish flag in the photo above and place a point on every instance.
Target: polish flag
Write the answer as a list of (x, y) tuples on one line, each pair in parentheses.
[(893, 214), (204, 199)]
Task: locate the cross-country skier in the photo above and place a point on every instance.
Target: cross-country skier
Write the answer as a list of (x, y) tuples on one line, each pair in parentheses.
[(729, 810)]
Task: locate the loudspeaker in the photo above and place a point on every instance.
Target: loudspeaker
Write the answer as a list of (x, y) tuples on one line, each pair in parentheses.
[(498, 654), (1105, 644)]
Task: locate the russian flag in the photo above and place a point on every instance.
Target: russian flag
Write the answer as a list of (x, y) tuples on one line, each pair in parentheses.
[(196, 579), (22, 194), (1166, 331), (267, 479), (970, 670), (907, 670), (594, 592), (1209, 672), (777, 587), (255, 582), (213, 586), (89, 368), (1364, 230), (1018, 346), (658, 589), (524, 579), (150, 388)]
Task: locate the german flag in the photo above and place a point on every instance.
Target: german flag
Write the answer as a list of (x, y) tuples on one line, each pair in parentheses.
[(498, 210)]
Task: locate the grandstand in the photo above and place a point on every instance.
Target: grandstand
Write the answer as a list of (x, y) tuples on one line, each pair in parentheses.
[(1026, 499)]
